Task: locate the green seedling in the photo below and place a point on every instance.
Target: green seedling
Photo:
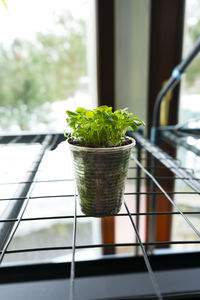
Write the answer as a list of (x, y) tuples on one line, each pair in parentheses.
[(101, 126)]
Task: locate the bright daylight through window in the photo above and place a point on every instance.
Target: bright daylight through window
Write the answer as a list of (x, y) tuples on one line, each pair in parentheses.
[(44, 62), (46, 67)]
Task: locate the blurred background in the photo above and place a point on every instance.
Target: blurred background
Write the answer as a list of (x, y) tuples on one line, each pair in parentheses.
[(59, 55)]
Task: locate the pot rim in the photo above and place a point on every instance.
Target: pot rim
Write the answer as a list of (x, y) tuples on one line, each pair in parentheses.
[(108, 149)]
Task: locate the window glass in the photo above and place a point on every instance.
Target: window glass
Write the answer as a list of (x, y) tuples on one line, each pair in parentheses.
[(44, 63), (189, 117), (190, 87), (46, 66)]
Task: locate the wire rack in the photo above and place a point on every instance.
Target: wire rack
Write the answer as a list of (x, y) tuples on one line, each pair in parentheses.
[(146, 161)]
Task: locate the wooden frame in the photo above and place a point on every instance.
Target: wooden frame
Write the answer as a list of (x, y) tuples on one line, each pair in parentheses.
[(106, 86), (166, 40)]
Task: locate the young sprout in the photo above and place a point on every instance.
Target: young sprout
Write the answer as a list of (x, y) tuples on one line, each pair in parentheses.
[(101, 126)]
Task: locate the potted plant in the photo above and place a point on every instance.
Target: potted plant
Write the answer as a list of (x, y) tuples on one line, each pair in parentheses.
[(101, 153)]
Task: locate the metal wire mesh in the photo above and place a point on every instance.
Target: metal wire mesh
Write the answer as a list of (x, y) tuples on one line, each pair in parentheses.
[(142, 167)]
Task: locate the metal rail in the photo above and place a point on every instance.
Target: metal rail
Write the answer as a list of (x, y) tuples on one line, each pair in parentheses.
[(72, 195), (169, 163), (92, 246), (148, 265), (12, 222), (172, 137), (170, 85), (13, 208), (72, 272)]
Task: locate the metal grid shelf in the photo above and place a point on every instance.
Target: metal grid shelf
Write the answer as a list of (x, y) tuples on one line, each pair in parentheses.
[(144, 157)]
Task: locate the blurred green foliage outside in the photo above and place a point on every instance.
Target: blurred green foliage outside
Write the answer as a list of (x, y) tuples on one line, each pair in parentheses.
[(47, 69)]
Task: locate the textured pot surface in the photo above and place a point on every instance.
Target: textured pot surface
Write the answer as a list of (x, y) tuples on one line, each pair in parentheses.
[(100, 175)]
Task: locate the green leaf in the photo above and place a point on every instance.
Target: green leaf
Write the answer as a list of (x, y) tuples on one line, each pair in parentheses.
[(89, 114), (4, 3), (103, 108), (139, 121), (71, 113), (80, 110), (101, 127)]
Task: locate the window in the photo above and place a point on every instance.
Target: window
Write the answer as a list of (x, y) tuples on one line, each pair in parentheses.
[(190, 88), (45, 61), (47, 67), (189, 110)]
